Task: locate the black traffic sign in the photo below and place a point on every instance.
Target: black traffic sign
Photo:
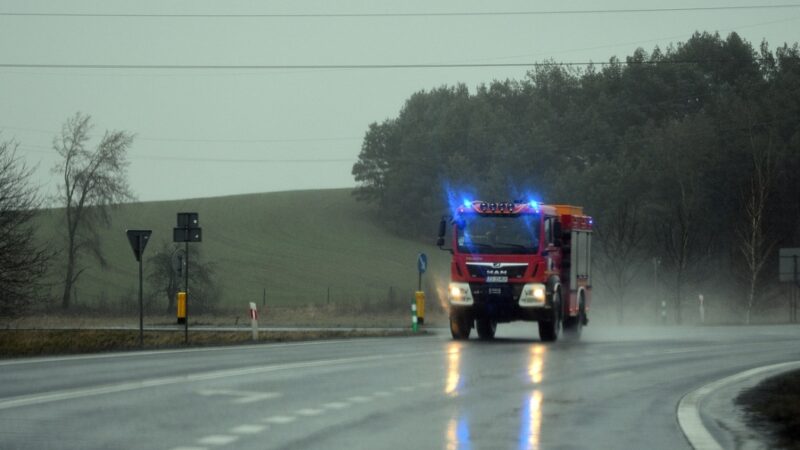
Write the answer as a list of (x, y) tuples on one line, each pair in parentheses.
[(188, 229), (187, 235), (138, 240)]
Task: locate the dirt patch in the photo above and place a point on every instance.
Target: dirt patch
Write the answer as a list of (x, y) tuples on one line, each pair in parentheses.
[(774, 406), (15, 343)]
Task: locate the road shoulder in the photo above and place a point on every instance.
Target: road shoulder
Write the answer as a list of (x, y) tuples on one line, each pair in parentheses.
[(710, 418)]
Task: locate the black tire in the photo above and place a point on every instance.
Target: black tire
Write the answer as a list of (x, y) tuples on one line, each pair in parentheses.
[(573, 326), (460, 327), (550, 330), (485, 328)]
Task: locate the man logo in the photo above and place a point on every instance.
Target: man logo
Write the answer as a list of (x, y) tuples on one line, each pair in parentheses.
[(497, 265)]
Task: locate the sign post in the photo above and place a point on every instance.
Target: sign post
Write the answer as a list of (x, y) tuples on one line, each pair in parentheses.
[(789, 272), (188, 230), (138, 240), (419, 296)]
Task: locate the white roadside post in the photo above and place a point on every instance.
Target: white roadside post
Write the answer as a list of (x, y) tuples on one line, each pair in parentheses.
[(254, 320), (702, 310)]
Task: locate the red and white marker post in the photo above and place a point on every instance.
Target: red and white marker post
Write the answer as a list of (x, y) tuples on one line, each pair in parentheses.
[(254, 320)]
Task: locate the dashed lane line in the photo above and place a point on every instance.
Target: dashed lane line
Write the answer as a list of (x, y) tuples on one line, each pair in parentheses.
[(308, 412), (336, 405), (382, 394), (218, 439), (280, 420), (189, 448), (70, 394), (248, 429)]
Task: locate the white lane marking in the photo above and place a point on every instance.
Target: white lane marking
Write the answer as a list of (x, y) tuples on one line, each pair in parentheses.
[(188, 350), (248, 429), (218, 439), (689, 407), (427, 384), (309, 412), (359, 399), (336, 405), (280, 420), (189, 448), (70, 394), (242, 397), (405, 388), (382, 394)]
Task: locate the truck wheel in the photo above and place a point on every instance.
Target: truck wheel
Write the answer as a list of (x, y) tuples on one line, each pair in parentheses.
[(549, 330), (460, 327), (573, 326), (486, 328)]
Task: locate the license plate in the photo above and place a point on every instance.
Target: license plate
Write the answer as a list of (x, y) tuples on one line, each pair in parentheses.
[(496, 279)]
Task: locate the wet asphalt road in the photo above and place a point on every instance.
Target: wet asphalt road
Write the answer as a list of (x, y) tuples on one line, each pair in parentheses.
[(612, 389)]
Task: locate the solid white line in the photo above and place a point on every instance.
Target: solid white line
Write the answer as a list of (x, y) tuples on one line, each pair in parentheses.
[(280, 420), (130, 354), (689, 407), (248, 429), (70, 394), (218, 439)]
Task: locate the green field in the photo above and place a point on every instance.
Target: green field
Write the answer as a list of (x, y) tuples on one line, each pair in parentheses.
[(297, 245)]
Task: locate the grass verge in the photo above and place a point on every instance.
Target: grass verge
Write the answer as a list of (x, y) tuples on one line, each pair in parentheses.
[(774, 406), (16, 343)]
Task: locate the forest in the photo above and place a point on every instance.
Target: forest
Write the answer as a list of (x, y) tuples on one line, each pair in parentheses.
[(686, 157)]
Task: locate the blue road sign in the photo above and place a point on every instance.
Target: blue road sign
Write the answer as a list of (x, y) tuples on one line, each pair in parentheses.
[(422, 262)]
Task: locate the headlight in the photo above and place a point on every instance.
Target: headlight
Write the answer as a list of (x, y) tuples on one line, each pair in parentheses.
[(533, 294), (459, 294)]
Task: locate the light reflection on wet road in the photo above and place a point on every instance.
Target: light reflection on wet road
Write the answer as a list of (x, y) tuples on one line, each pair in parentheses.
[(613, 389)]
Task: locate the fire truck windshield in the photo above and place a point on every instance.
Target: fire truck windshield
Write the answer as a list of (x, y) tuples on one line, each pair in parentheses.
[(498, 234)]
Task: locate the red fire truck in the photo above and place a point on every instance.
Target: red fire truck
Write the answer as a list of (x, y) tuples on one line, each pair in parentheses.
[(518, 261)]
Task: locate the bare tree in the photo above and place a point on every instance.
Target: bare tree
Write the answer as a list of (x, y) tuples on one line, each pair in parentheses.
[(754, 244), (93, 181), (165, 282), (22, 261)]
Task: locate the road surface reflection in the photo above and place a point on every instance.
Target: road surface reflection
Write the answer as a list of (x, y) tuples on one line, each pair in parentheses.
[(458, 427)]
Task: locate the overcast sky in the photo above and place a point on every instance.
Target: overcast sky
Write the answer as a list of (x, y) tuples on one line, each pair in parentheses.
[(205, 132)]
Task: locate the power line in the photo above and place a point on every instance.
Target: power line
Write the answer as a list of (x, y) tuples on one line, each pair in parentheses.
[(402, 14), (200, 159), (341, 66)]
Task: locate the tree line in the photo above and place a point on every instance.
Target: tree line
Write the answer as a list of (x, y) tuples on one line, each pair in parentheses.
[(92, 182), (686, 157)]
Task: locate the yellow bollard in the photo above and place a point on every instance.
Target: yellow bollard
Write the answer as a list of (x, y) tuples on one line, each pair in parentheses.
[(181, 307), (420, 298)]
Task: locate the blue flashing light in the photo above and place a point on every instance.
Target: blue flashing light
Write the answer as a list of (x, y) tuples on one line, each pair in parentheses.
[(534, 204), (467, 203)]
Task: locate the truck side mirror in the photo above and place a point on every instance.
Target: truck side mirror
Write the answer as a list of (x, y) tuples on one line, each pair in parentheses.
[(442, 230), (557, 233)]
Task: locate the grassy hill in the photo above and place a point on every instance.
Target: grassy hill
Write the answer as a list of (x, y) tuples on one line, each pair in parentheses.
[(297, 245)]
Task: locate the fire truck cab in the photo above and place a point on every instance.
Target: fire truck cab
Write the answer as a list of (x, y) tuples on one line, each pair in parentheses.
[(518, 261)]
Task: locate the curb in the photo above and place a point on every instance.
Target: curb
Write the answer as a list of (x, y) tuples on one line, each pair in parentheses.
[(689, 417)]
